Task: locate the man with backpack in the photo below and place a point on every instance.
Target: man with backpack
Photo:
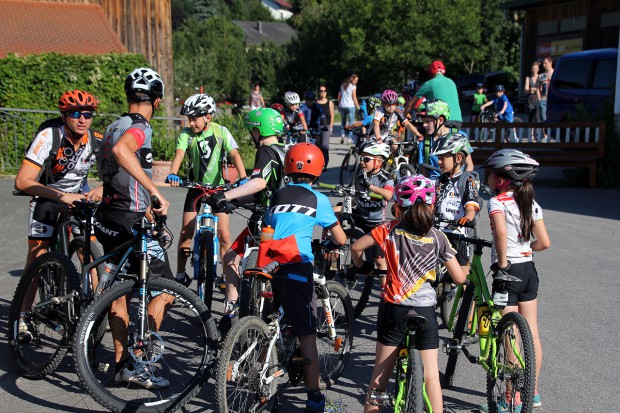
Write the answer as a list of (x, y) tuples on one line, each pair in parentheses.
[(265, 125), (54, 170)]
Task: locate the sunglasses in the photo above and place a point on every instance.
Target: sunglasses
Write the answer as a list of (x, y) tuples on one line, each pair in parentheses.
[(366, 159), (322, 90), (77, 114)]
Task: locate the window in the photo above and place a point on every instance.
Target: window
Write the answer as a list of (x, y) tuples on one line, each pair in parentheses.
[(572, 24), (548, 27), (572, 75), (610, 19), (604, 74)]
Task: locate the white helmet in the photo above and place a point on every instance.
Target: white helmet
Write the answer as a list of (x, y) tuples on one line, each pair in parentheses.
[(376, 149), (291, 98), (198, 105), (144, 84)]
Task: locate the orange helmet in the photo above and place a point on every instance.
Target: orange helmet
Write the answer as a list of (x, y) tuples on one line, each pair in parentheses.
[(304, 158), (77, 99)]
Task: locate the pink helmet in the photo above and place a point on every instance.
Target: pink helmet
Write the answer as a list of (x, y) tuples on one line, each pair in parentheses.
[(436, 67), (389, 97), (412, 188)]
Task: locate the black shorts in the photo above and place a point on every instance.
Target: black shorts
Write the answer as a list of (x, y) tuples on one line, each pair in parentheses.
[(193, 200), (294, 288), (391, 333), (527, 289), (366, 227), (43, 218), (114, 227)]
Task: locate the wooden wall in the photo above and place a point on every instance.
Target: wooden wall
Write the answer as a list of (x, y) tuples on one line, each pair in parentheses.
[(144, 27)]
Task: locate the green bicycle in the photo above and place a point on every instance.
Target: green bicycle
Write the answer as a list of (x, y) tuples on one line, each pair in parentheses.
[(506, 346)]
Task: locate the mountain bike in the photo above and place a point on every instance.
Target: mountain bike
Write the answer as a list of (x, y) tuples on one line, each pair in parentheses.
[(399, 164), (294, 137), (359, 286), (505, 342), (256, 356), (206, 243), (409, 390), (350, 166), (47, 286), (168, 330), (488, 115)]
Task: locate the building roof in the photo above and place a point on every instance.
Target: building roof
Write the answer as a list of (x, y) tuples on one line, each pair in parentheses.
[(257, 32), (32, 27), (284, 4)]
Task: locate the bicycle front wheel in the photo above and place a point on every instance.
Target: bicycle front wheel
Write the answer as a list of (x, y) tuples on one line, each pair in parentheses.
[(349, 168), (206, 263), (516, 366), (44, 289), (239, 385), (457, 338), (334, 353), (179, 345), (415, 382)]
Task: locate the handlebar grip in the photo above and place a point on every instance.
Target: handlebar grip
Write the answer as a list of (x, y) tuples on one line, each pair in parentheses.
[(155, 202), (376, 196), (326, 186)]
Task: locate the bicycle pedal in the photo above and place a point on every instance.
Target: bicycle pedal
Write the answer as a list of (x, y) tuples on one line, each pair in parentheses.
[(452, 346)]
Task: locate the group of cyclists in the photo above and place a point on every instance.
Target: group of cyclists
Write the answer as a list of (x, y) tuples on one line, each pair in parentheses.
[(407, 248)]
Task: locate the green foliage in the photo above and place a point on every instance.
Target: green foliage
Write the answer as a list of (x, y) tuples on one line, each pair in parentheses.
[(236, 126)]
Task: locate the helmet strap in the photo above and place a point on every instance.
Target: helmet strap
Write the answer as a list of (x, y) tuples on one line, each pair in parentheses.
[(506, 182)]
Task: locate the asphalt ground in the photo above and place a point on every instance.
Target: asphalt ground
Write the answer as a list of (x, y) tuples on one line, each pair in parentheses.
[(578, 311)]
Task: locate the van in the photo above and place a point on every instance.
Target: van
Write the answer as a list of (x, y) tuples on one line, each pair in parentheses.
[(582, 84)]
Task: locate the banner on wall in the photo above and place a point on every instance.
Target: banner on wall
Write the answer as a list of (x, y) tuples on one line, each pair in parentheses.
[(559, 47)]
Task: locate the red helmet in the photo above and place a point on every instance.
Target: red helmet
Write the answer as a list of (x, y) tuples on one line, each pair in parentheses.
[(436, 67), (304, 158), (278, 107), (77, 99)]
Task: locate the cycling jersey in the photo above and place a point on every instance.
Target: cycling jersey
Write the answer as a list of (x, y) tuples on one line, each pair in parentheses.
[(69, 166), (269, 165), (411, 262), (517, 249), (389, 123), (498, 105), (314, 116), (370, 209), (205, 152), (450, 202), (295, 210), (292, 118), (120, 190)]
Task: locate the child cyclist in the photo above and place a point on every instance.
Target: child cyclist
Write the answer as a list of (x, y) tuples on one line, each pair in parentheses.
[(204, 141), (457, 190), (412, 248), (294, 118), (363, 126), (504, 112), (294, 211), (387, 119), (518, 230)]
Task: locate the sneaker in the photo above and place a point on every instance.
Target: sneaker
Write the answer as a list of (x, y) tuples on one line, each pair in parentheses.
[(184, 280), (23, 334), (502, 407), (342, 139), (141, 374), (325, 406), (536, 400)]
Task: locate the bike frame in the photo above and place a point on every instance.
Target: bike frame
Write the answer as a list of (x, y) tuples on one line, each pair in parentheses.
[(205, 221)]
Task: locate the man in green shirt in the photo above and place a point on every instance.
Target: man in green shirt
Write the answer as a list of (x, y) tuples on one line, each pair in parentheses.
[(205, 142)]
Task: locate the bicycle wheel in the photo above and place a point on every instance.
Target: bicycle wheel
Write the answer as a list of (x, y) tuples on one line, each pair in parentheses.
[(76, 252), (359, 286), (516, 366), (206, 263), (249, 289), (181, 349), (349, 168), (405, 169), (415, 382), (334, 354), (48, 281), (238, 384), (457, 337)]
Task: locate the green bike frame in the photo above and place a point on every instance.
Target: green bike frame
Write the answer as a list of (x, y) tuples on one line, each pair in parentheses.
[(400, 396)]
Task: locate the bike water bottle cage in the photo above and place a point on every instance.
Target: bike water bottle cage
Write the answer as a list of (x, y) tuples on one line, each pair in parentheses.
[(377, 397)]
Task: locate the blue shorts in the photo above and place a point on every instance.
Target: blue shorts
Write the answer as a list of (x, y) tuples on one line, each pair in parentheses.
[(506, 117)]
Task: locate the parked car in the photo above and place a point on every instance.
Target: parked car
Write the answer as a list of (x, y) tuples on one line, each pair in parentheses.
[(582, 83)]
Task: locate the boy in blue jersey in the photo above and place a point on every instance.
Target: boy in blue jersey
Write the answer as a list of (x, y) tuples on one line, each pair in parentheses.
[(504, 112), (294, 211)]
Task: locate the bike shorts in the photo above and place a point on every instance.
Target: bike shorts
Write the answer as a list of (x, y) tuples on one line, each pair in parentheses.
[(506, 117), (193, 200), (294, 288), (43, 218), (527, 289), (114, 227), (366, 227), (390, 332)]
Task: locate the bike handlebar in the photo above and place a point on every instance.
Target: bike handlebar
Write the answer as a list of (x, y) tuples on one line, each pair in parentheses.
[(454, 222), (340, 190), (476, 241)]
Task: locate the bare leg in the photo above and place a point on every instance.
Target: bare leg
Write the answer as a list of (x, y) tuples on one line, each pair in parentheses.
[(187, 232), (311, 371), (384, 365), (231, 261), (431, 378)]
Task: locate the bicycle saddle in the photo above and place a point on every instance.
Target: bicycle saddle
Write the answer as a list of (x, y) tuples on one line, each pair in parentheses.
[(263, 273), (413, 320)]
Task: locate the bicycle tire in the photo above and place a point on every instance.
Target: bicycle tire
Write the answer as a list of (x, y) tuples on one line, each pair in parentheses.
[(349, 168), (415, 382), (248, 291), (230, 396), (457, 337), (51, 325), (334, 355), (405, 169), (521, 380), (187, 332), (449, 294), (206, 264)]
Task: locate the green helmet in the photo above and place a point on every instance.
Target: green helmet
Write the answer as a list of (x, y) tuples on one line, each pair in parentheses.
[(452, 143), (268, 121), (435, 108), (374, 102)]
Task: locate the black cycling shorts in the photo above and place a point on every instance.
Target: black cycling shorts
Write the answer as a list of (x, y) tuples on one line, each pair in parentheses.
[(43, 218), (527, 289), (114, 227), (294, 288), (390, 332), (193, 200)]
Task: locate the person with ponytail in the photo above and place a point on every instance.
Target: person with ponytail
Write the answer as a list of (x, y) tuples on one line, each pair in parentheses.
[(518, 230), (412, 250)]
